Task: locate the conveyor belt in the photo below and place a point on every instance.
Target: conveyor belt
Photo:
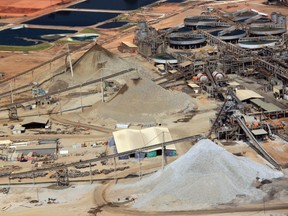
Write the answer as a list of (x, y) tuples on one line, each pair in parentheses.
[(257, 145), (70, 88)]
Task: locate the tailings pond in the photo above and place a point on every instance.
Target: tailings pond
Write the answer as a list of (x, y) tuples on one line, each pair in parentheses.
[(118, 4), (30, 36), (113, 4), (72, 18)]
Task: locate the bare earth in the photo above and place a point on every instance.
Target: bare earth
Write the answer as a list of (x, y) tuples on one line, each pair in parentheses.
[(77, 201)]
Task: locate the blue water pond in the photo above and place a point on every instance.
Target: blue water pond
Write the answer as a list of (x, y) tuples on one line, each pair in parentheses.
[(30, 36), (113, 4), (72, 18)]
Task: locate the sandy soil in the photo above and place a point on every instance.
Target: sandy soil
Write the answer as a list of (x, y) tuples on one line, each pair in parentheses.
[(23, 61), (18, 8), (75, 200)]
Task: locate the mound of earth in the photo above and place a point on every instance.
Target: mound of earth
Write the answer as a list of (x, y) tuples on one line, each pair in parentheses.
[(141, 99), (98, 62), (205, 177)]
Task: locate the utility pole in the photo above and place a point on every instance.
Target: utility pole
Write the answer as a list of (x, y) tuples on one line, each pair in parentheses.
[(70, 62), (11, 94), (139, 163), (90, 172), (115, 169), (81, 97), (102, 88)]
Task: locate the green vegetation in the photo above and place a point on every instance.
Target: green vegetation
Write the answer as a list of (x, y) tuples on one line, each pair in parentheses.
[(89, 30), (38, 47), (121, 17)]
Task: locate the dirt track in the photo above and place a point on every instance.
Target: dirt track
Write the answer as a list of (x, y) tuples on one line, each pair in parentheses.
[(257, 208), (78, 124)]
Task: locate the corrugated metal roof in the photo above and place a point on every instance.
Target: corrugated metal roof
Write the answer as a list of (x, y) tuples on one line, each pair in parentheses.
[(161, 66), (18, 127), (233, 83), (35, 147), (173, 71), (266, 106), (129, 44), (259, 132), (36, 119), (185, 64), (130, 139), (193, 85), (245, 94)]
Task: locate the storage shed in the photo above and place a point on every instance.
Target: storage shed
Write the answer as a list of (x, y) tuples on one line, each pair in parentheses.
[(245, 94), (127, 47), (39, 149), (196, 88), (131, 139), (35, 122), (264, 106)]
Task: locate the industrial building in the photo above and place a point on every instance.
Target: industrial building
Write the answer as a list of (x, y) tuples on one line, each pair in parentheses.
[(131, 139), (35, 122)]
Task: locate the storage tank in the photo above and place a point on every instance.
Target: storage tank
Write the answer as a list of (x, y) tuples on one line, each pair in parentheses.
[(217, 75), (202, 78)]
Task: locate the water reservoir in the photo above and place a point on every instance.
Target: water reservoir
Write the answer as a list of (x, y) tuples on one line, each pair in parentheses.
[(30, 36), (72, 18), (113, 4), (175, 1)]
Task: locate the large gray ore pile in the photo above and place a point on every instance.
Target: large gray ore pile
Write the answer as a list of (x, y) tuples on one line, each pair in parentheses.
[(206, 176), (95, 63), (140, 100)]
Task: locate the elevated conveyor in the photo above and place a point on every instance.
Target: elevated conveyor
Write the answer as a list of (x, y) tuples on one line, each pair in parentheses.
[(256, 145)]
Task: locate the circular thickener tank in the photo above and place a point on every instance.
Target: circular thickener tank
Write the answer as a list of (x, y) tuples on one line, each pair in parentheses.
[(202, 78), (233, 35), (257, 43), (217, 76)]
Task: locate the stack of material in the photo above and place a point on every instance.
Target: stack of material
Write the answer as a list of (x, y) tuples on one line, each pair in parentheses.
[(94, 64), (206, 176), (140, 100)]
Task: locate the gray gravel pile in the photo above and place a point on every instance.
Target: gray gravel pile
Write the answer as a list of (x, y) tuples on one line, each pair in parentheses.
[(90, 64), (206, 176), (140, 99)]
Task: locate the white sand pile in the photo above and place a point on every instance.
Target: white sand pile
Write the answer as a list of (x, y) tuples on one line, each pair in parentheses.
[(207, 175), (141, 99)]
